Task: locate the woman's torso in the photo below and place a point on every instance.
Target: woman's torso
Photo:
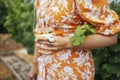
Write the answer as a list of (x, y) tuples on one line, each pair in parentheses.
[(63, 17), (60, 15)]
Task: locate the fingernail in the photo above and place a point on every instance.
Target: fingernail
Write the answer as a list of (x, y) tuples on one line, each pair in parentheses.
[(37, 45), (39, 50)]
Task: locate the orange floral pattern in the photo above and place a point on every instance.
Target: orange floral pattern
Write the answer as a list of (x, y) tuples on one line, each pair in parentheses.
[(63, 16)]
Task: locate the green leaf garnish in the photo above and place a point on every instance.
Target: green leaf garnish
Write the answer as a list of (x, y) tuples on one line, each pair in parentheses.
[(81, 32)]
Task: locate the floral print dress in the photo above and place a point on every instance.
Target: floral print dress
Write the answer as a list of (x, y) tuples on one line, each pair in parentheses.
[(63, 16)]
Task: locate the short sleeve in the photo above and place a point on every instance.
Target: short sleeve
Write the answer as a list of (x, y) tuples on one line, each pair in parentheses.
[(98, 13)]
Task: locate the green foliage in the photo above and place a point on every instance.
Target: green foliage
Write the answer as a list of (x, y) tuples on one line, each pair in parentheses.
[(115, 7), (3, 13), (81, 32), (107, 60), (19, 21)]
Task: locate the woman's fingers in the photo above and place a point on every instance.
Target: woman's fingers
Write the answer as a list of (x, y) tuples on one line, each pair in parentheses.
[(41, 39), (47, 47), (45, 51), (54, 44), (31, 74), (33, 71), (45, 44)]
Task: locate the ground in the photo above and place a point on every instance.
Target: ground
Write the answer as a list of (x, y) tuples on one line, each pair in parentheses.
[(10, 47)]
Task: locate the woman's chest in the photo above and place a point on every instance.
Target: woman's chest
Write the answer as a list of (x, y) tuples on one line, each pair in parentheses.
[(59, 10)]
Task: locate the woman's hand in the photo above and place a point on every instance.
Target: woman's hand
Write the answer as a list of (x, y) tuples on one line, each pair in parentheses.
[(59, 44), (33, 71)]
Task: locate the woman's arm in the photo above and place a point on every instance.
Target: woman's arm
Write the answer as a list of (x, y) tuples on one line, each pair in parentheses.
[(36, 53), (98, 41), (34, 67), (91, 42)]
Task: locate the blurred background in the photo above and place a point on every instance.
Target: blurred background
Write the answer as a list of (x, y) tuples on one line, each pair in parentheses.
[(17, 42)]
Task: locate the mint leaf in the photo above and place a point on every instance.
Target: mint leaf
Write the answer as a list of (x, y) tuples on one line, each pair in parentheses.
[(72, 38), (76, 42), (81, 32), (93, 30), (82, 39)]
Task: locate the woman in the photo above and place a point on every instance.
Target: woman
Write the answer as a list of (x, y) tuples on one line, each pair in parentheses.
[(58, 59)]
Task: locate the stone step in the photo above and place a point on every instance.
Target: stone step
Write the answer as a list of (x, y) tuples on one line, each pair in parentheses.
[(18, 66)]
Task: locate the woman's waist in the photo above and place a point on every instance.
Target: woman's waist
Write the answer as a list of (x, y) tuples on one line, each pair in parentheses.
[(55, 31), (71, 53)]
